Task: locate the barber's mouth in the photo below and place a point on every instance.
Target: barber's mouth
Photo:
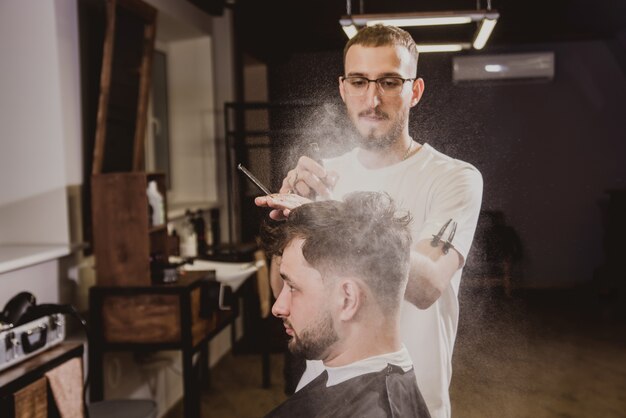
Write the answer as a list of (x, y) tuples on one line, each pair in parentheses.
[(373, 117)]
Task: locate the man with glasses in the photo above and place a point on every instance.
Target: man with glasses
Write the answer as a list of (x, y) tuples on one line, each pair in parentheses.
[(443, 195)]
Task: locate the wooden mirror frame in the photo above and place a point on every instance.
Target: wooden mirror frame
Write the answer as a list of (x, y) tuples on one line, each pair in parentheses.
[(147, 14)]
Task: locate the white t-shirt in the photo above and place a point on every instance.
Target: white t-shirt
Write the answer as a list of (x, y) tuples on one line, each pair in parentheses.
[(434, 188)]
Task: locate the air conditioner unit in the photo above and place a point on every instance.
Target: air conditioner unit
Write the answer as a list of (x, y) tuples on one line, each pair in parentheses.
[(536, 65)]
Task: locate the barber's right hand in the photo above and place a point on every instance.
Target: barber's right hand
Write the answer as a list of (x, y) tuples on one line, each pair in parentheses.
[(309, 179), (282, 204)]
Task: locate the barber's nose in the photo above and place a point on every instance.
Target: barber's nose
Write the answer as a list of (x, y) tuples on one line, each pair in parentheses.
[(280, 309), (372, 95)]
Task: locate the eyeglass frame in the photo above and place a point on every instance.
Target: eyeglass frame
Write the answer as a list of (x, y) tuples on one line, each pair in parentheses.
[(377, 80)]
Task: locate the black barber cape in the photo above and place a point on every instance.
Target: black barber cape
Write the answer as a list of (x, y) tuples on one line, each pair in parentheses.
[(391, 392)]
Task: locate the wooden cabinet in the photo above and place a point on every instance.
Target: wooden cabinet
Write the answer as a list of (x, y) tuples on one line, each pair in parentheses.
[(125, 241), (178, 316), (24, 388), (32, 401)]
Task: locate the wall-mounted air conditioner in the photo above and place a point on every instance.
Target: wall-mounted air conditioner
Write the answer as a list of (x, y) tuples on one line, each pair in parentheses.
[(536, 65)]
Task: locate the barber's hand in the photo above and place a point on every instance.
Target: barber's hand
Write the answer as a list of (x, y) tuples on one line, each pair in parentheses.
[(309, 179), (282, 204)]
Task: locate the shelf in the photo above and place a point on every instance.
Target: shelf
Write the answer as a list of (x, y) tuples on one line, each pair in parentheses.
[(158, 228), (177, 210), (13, 257)]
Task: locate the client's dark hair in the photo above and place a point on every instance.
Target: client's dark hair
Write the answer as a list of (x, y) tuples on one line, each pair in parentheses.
[(363, 235)]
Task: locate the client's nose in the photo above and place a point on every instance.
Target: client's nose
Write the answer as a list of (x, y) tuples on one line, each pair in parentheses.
[(280, 309)]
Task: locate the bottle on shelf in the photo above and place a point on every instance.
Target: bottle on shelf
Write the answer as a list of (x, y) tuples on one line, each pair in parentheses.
[(155, 200)]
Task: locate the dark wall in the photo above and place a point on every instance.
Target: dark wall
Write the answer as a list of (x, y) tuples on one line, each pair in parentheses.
[(548, 151)]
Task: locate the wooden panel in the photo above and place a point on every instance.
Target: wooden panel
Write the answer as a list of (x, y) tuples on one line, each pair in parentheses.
[(144, 93), (105, 82), (141, 318), (120, 229), (124, 86), (200, 327), (66, 388), (32, 401)]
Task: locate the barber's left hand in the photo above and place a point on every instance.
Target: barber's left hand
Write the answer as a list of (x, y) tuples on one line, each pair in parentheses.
[(309, 179), (282, 203)]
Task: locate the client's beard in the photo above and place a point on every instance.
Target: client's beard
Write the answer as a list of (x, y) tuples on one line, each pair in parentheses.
[(371, 141), (314, 340)]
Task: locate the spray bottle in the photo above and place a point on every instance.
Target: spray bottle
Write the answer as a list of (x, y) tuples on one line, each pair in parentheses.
[(155, 199)]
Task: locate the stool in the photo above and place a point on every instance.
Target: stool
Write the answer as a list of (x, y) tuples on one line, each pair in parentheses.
[(127, 408)]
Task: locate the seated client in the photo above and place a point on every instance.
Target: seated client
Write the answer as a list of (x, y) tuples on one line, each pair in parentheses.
[(345, 267)]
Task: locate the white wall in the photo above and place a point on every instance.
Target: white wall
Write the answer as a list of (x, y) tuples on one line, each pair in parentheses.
[(40, 128), (31, 130), (192, 130), (67, 38), (40, 280), (224, 80)]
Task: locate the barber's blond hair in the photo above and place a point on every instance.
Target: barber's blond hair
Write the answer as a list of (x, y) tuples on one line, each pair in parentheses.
[(381, 35)]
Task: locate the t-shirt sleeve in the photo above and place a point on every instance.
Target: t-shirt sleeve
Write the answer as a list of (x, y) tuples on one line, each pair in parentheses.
[(457, 195)]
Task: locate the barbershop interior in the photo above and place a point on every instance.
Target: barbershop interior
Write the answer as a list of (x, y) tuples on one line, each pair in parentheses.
[(135, 136)]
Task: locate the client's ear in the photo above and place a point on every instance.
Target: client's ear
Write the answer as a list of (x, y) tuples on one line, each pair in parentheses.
[(351, 299)]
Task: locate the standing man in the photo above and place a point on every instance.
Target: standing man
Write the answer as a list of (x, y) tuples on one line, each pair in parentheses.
[(379, 87), (345, 266)]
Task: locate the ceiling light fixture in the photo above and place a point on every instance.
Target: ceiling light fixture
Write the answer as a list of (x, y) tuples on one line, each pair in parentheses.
[(442, 47), (411, 19), (487, 18), (484, 31), (350, 30)]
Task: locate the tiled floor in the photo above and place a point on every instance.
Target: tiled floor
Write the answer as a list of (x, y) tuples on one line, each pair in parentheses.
[(551, 354)]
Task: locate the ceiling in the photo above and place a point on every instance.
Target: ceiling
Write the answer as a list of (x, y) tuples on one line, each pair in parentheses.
[(275, 29)]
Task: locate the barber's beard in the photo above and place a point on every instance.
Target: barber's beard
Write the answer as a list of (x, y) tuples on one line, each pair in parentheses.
[(313, 341), (381, 141)]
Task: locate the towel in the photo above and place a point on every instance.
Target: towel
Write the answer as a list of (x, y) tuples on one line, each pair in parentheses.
[(66, 383)]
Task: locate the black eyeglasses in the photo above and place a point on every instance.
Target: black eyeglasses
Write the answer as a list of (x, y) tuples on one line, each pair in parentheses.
[(388, 86)]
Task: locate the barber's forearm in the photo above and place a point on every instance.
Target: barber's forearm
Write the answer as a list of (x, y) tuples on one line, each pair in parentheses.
[(429, 275), (422, 289)]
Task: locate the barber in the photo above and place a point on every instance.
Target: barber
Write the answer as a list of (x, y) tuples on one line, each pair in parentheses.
[(443, 195)]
